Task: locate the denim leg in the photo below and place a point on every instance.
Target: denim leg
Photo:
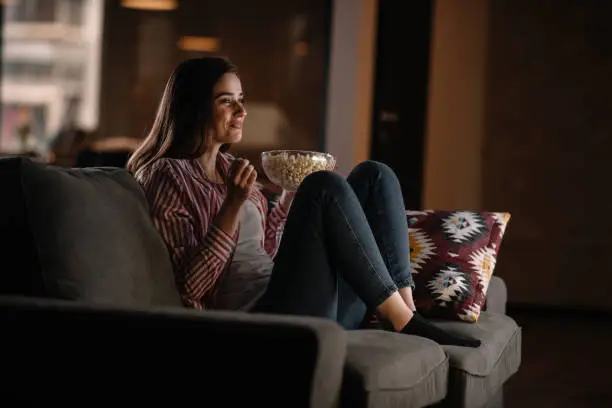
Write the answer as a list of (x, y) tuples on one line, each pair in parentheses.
[(379, 193), (326, 239)]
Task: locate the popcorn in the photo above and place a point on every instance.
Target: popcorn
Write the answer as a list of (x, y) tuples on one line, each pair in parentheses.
[(288, 169)]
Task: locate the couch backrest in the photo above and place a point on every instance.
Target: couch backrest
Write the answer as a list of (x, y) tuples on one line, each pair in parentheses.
[(81, 234)]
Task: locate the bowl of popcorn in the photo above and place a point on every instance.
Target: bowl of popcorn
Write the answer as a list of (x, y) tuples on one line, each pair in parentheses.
[(288, 168)]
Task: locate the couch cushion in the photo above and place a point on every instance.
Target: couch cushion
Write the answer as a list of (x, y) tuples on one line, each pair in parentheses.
[(477, 374), (89, 236), (391, 369)]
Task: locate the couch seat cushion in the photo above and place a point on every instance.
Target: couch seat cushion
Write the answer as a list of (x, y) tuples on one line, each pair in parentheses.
[(391, 369), (477, 374)]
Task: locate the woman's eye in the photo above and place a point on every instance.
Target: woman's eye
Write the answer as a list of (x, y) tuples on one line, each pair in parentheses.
[(226, 101)]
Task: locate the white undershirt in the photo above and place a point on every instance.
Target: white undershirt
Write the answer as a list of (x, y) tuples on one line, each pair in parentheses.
[(249, 273)]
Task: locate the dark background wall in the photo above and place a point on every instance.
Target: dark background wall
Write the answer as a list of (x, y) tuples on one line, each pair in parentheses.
[(400, 91), (547, 147), (519, 121)]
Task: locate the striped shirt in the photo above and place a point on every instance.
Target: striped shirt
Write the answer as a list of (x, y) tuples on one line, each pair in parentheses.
[(183, 202)]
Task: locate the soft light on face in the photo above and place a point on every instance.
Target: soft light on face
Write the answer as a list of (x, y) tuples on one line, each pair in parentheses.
[(228, 112)]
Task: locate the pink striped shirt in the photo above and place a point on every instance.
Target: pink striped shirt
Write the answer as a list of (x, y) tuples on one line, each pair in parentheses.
[(183, 203)]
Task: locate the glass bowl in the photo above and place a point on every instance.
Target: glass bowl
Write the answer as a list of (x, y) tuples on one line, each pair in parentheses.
[(288, 168)]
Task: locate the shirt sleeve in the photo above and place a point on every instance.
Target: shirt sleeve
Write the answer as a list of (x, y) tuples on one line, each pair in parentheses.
[(199, 260), (275, 224)]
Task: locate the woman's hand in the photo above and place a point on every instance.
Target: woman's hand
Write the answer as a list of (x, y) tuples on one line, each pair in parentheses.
[(240, 181)]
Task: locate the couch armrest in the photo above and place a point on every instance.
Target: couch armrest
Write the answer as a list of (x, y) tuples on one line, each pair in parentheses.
[(56, 350), (497, 296)]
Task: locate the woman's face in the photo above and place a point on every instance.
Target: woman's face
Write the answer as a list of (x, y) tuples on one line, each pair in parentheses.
[(228, 112)]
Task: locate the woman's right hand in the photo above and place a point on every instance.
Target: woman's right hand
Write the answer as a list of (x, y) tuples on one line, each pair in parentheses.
[(240, 181)]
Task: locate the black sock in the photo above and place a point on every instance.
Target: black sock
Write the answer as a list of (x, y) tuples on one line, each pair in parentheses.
[(418, 326)]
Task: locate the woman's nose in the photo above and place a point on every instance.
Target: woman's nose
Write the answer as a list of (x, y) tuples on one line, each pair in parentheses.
[(240, 109)]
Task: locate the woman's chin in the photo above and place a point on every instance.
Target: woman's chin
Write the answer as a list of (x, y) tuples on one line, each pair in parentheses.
[(234, 136)]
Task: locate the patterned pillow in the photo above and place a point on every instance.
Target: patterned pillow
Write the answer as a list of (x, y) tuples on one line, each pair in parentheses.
[(453, 255)]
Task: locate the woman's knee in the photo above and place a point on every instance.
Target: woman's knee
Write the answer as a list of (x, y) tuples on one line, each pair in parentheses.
[(373, 168), (325, 180)]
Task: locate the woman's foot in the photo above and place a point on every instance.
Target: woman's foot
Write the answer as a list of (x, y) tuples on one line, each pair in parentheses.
[(406, 294), (419, 326), (395, 315)]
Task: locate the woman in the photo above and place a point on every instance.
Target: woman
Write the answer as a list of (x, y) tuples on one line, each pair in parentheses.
[(336, 249)]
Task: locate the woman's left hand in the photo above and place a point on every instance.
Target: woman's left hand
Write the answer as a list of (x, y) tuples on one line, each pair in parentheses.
[(286, 199)]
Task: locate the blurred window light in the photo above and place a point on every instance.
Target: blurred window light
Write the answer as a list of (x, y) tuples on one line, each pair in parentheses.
[(50, 54), (157, 5), (31, 11), (200, 44)]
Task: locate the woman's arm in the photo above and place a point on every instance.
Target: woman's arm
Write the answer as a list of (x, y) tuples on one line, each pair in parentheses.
[(227, 218), (240, 180), (199, 259), (275, 222)]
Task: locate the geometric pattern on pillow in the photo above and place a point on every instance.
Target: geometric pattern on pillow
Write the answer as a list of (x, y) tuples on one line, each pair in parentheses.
[(453, 256)]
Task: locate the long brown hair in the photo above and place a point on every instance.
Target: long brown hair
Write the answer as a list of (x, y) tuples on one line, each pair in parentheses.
[(183, 113)]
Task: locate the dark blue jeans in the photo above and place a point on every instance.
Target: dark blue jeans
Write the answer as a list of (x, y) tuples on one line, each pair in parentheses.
[(345, 247)]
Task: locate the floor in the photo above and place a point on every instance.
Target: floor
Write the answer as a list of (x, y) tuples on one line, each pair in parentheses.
[(567, 361)]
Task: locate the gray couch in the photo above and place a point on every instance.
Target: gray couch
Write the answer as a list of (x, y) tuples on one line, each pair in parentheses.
[(89, 312)]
